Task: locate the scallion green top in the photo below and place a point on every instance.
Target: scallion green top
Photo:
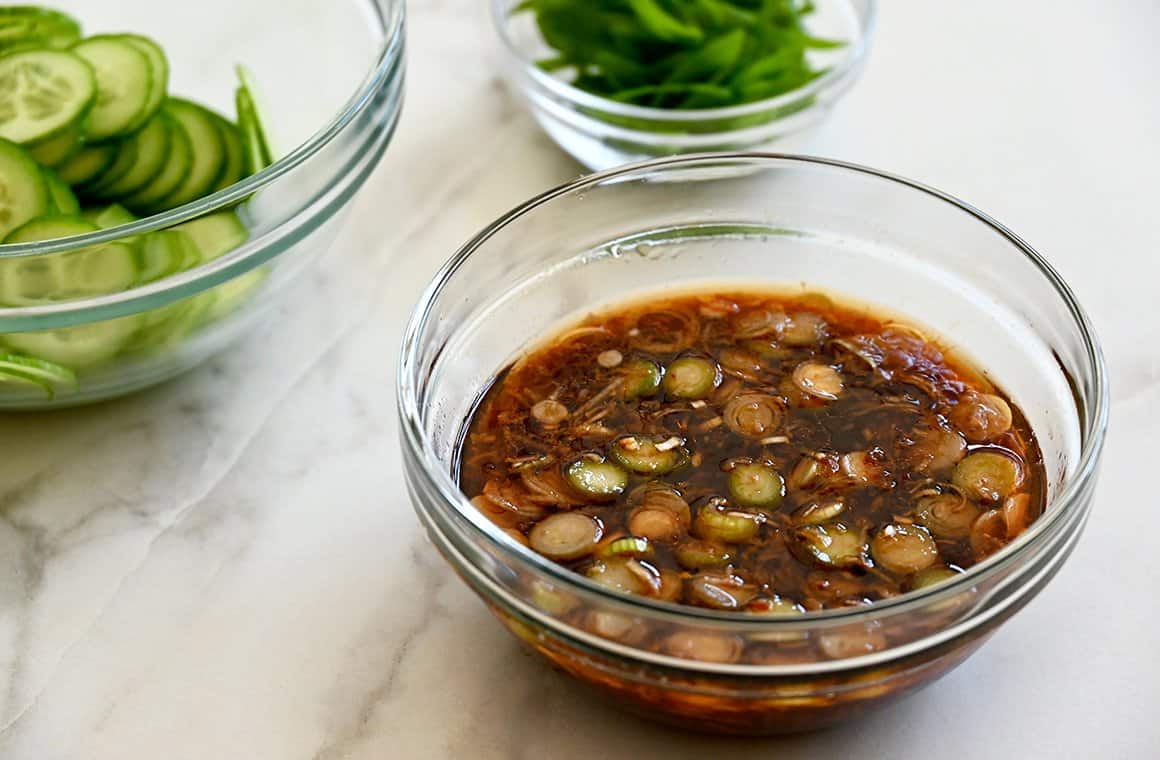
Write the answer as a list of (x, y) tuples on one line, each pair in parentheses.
[(679, 54)]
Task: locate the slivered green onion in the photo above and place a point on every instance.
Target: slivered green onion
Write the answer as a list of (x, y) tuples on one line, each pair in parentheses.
[(629, 546), (695, 554), (834, 545), (987, 476), (596, 478), (679, 54), (756, 485), (904, 549), (931, 576), (642, 379), (645, 456), (715, 522), (691, 378)]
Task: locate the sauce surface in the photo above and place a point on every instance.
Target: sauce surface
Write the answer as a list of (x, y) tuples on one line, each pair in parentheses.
[(754, 452)]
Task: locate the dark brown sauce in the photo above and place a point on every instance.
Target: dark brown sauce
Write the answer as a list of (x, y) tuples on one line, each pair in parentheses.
[(872, 429)]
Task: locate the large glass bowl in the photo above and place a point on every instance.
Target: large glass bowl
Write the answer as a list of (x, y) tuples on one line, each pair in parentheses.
[(602, 133), (330, 77), (750, 219)]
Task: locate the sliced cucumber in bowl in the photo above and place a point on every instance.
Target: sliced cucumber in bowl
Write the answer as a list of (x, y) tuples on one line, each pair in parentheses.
[(124, 159), (24, 195), (176, 167), (69, 275), (90, 120), (235, 166), (208, 154), (54, 151), (44, 93), (124, 80), (113, 215), (158, 67), (150, 147), (87, 164), (83, 273), (61, 197), (215, 234), (79, 347), (27, 370), (33, 26), (165, 253)]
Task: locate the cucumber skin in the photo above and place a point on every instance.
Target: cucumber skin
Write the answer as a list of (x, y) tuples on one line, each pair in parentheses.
[(193, 116), (126, 125), (87, 163), (177, 165), (54, 151), (124, 160), (77, 347), (159, 67), (42, 27), (150, 149), (64, 201), (15, 165), (235, 169), (50, 227), (215, 234), (82, 112), (254, 145), (113, 215)]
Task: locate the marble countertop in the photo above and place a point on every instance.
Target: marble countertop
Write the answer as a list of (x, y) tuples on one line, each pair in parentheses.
[(228, 566)]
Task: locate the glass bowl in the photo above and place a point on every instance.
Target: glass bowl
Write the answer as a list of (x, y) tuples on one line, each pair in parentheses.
[(601, 133), (750, 219), (331, 91)]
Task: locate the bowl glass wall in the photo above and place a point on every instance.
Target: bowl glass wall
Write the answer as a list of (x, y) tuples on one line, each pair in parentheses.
[(601, 133), (750, 221), (329, 77)]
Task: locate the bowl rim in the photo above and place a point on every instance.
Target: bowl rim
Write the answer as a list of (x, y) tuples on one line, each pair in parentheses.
[(1093, 418), (390, 15), (835, 77)]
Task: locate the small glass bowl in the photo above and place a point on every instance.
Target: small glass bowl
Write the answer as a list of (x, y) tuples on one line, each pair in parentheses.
[(748, 220), (602, 133), (334, 110)]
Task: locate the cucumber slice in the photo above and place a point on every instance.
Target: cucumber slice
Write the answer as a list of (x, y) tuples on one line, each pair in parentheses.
[(56, 150), (77, 347), (231, 294), (150, 149), (215, 234), (20, 379), (165, 253), (254, 145), (61, 196), (45, 374), (24, 194), (255, 139), (158, 66), (33, 280), (43, 93), (167, 326), (123, 163), (16, 377), (86, 272), (113, 215), (209, 153), (88, 163), (177, 166), (32, 26), (124, 85), (50, 228), (235, 169)]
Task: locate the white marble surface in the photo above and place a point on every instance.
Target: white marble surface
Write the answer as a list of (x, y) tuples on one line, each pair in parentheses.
[(228, 567)]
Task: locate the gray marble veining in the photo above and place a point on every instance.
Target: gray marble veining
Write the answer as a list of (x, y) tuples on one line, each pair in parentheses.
[(228, 567)]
